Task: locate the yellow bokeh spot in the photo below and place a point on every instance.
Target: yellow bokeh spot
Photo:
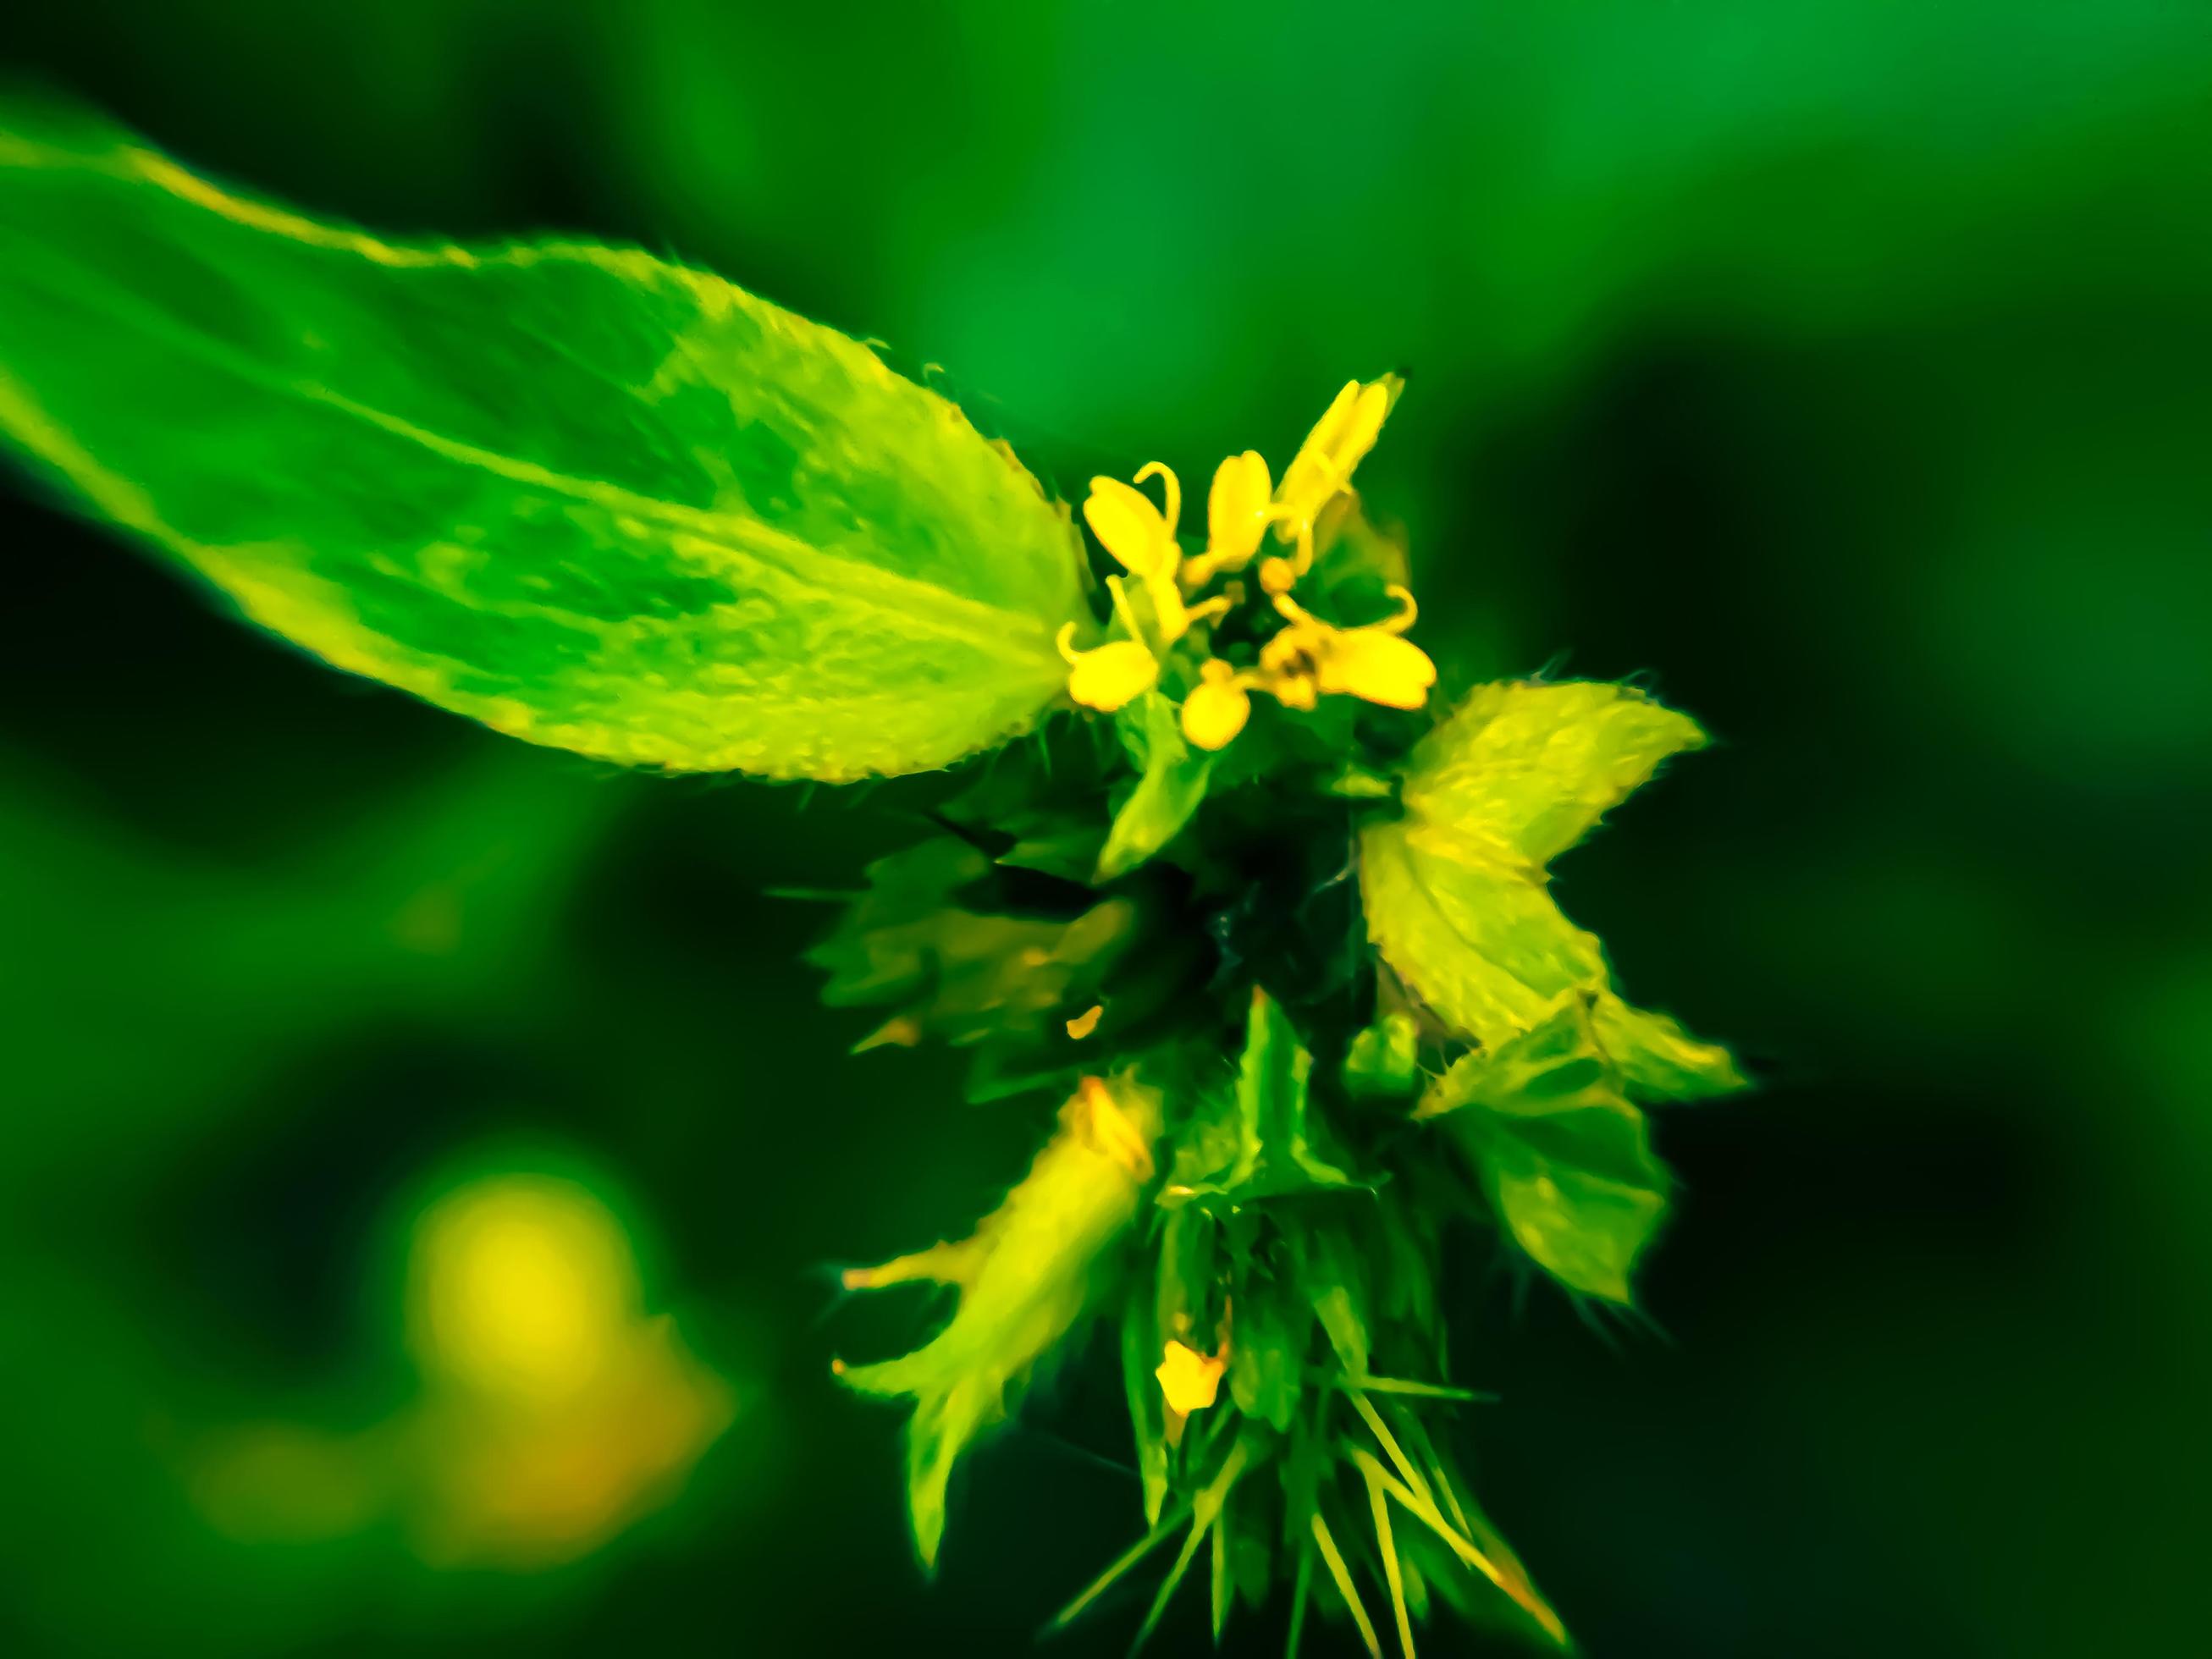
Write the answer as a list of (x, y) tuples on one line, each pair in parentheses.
[(519, 1286), (553, 1409)]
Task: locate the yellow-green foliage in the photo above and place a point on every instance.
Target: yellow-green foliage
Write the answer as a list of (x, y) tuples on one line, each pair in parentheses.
[(1026, 1277), (608, 503), (586, 496), (1456, 888), (1564, 1159)]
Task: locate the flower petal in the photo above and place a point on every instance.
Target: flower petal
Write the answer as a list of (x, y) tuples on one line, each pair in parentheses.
[(1237, 508), (1378, 667), (1129, 527), (1189, 1380), (1338, 443), (1327, 429), (1112, 674), (1215, 712)]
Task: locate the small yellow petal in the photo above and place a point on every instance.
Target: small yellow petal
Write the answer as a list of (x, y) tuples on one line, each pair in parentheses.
[(1378, 667), (1112, 676), (1189, 1380), (1334, 420), (1130, 527), (1364, 427), (1216, 711), (1087, 1022), (1237, 508)]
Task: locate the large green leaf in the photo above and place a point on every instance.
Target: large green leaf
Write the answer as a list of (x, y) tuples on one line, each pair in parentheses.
[(590, 498), (1456, 888), (1565, 1161)]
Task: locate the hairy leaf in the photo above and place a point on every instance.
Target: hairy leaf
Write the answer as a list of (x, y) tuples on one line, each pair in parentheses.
[(954, 974), (1455, 889), (1384, 1058), (1564, 1159), (1269, 1142), (590, 498), (1026, 1277)]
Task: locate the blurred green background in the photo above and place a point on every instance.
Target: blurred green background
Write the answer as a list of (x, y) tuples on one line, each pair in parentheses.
[(1843, 366)]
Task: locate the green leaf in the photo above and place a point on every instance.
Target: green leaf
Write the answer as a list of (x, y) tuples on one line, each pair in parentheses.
[(1033, 805), (1470, 1537), (1267, 1355), (1183, 1307), (1357, 563), (1384, 1058), (1170, 785), (1279, 1141), (1331, 1270), (1386, 1547), (1161, 1530), (1456, 890), (1141, 1353), (1205, 1517), (587, 497), (954, 974), (1026, 1279), (1340, 1576), (1564, 1159), (1658, 1058)]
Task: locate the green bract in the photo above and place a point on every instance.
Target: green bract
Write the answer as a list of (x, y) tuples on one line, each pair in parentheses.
[(590, 498), (1272, 939), (1026, 1277)]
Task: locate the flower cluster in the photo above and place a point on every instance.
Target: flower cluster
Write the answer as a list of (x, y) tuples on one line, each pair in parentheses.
[(1317, 1026), (1305, 658)]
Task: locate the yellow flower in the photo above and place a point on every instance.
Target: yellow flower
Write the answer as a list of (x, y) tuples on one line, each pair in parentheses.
[(1323, 465), (1218, 707), (1307, 660), (1189, 1379), (1373, 663), (1110, 676)]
